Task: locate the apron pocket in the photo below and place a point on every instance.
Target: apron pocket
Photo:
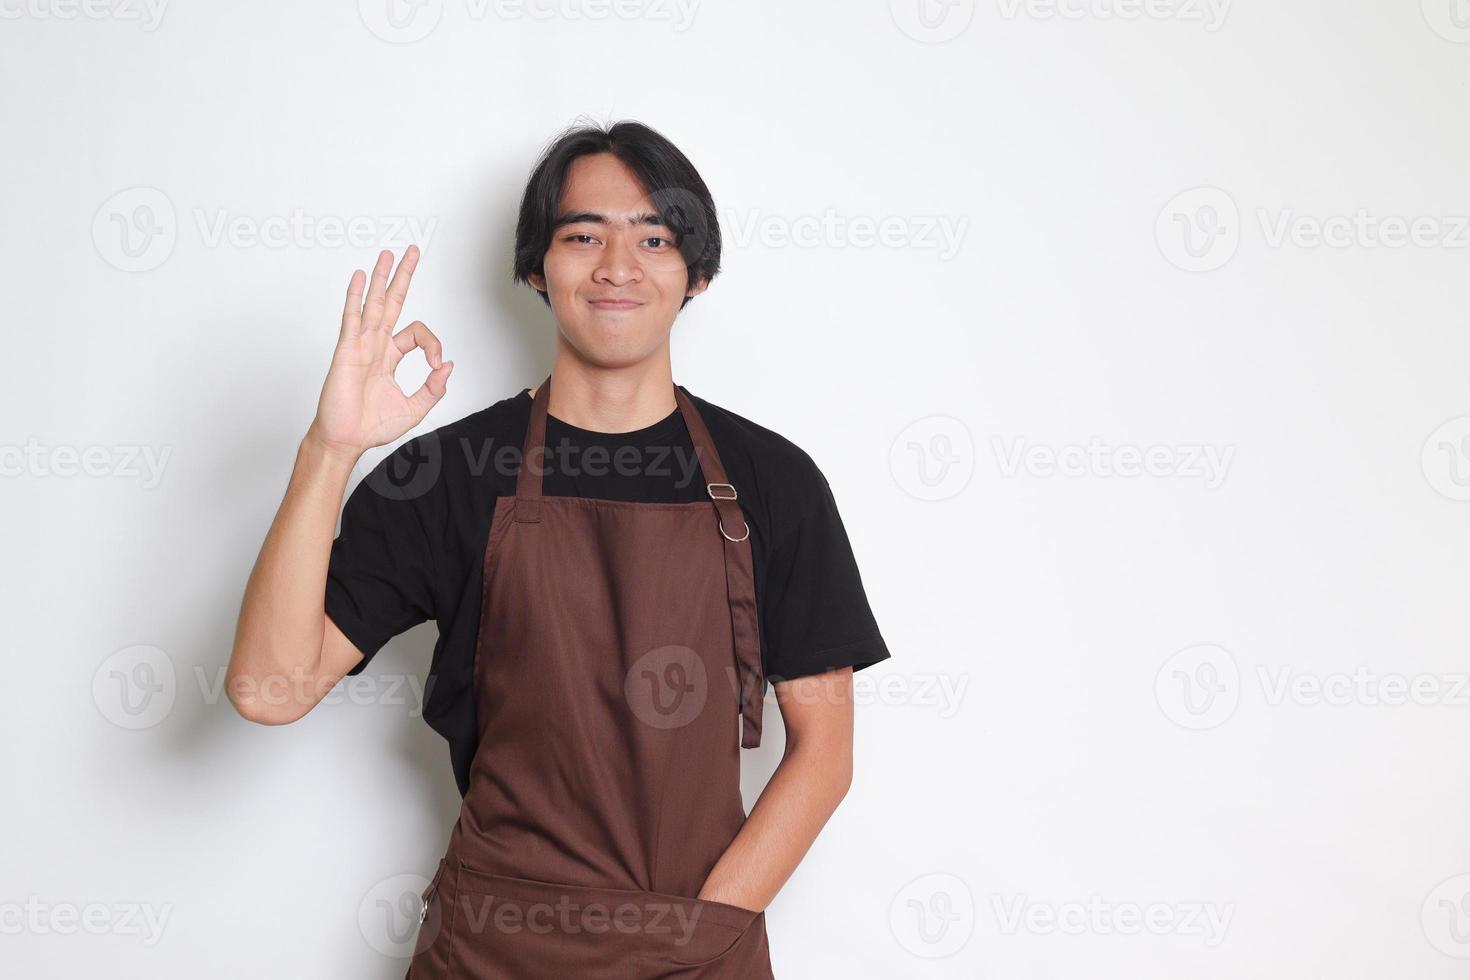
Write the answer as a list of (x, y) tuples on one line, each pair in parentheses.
[(705, 931), (520, 927)]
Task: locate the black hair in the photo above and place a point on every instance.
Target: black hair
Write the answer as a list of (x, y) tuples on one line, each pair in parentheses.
[(678, 193)]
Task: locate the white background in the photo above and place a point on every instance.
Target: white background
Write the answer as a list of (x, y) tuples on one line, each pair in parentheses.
[(1103, 709)]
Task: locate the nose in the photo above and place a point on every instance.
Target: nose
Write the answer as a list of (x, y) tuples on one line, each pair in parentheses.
[(619, 265)]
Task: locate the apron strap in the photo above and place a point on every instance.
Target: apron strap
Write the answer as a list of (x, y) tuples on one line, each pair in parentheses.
[(528, 479), (729, 521), (739, 573)]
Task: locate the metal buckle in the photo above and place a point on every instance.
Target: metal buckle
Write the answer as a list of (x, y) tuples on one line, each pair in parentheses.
[(424, 912), (710, 489), (739, 539)]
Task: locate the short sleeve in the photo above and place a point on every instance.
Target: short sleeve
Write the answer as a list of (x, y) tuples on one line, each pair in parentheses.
[(380, 573), (817, 616)]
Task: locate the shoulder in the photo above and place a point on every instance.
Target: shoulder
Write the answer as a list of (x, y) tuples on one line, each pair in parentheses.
[(463, 449), (503, 422), (782, 474), (755, 441)]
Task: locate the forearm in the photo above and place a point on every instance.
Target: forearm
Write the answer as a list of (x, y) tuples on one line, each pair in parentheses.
[(802, 795), (278, 638)]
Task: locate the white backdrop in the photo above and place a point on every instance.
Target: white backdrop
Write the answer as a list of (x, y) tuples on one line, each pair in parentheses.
[(1130, 334)]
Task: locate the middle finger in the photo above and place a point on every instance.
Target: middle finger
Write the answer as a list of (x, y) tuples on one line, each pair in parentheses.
[(398, 288), (372, 309)]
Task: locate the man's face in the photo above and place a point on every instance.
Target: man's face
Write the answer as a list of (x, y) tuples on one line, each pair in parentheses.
[(613, 275)]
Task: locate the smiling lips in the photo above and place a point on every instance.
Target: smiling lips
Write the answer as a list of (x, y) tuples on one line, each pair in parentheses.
[(615, 304)]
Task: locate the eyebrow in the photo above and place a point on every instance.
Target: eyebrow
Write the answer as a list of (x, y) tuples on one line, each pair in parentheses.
[(593, 218)]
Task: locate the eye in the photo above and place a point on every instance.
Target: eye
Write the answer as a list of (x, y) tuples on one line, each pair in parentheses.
[(580, 238), (659, 243)]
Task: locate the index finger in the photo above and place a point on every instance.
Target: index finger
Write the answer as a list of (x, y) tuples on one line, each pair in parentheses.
[(352, 312)]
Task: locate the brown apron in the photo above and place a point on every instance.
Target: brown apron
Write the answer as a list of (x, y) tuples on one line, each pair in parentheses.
[(617, 674)]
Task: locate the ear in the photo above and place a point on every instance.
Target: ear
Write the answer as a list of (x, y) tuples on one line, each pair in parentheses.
[(697, 288), (537, 280)]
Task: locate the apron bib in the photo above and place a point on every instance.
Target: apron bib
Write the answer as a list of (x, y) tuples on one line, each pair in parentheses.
[(617, 674)]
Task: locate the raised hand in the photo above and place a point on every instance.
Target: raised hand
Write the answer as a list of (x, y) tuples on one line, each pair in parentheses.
[(361, 406)]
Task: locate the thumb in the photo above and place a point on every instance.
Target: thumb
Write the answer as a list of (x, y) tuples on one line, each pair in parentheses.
[(431, 390)]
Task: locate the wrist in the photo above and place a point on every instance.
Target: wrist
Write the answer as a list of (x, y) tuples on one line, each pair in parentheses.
[(332, 455), (728, 896)]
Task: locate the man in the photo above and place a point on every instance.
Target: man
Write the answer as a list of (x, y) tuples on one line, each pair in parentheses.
[(617, 568)]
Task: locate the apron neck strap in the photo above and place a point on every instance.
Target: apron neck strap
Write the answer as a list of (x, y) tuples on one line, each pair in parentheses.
[(533, 458)]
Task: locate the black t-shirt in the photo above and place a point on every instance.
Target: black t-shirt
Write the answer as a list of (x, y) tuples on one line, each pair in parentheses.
[(412, 542)]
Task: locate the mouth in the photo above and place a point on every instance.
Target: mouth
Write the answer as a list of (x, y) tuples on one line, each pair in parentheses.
[(615, 304)]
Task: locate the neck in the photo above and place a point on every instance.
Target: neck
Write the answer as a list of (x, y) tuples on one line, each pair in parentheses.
[(617, 399)]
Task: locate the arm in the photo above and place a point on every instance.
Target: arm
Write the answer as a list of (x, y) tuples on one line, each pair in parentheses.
[(811, 780), (287, 653)]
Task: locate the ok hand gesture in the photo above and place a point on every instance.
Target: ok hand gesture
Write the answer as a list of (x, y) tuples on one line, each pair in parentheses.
[(361, 406)]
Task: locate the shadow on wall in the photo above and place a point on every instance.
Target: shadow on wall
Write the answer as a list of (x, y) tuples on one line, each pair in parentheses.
[(508, 335), (515, 339)]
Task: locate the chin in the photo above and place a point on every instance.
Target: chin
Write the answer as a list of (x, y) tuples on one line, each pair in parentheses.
[(606, 351), (613, 341)]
